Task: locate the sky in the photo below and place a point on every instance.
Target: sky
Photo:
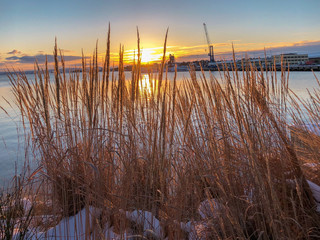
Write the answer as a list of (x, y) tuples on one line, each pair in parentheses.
[(28, 28)]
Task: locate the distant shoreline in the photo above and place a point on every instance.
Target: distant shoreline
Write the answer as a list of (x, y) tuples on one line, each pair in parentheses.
[(278, 69)]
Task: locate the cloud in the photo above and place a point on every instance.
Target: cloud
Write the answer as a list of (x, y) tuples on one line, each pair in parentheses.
[(13, 58), (40, 58), (66, 51), (306, 43), (192, 57), (14, 52)]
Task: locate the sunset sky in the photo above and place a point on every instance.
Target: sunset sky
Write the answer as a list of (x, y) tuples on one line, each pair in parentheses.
[(28, 28)]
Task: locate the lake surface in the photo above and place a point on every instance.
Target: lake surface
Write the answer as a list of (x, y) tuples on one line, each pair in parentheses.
[(12, 153)]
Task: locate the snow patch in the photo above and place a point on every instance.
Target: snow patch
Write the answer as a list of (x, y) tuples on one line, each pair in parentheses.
[(77, 227), (151, 225), (27, 205), (315, 189)]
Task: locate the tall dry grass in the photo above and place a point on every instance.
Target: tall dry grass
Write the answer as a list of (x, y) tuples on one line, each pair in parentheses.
[(99, 140)]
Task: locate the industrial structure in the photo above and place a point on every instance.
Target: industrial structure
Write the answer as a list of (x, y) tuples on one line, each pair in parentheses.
[(291, 58), (171, 60), (210, 46)]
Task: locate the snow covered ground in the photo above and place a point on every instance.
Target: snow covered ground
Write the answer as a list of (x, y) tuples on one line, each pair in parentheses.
[(85, 223), (315, 189)]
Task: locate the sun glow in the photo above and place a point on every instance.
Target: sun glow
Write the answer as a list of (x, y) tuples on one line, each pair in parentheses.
[(148, 55)]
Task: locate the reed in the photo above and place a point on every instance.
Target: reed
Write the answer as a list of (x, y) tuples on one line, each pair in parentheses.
[(16, 212), (100, 141)]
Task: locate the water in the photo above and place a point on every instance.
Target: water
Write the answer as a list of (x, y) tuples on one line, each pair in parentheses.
[(12, 153)]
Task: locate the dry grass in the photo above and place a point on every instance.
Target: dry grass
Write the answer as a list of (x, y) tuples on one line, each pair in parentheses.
[(16, 212), (100, 141)]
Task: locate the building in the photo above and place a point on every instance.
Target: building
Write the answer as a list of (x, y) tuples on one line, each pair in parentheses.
[(171, 60), (291, 58), (314, 60)]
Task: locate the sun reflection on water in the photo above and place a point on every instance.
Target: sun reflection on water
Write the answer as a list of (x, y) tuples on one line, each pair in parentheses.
[(147, 86)]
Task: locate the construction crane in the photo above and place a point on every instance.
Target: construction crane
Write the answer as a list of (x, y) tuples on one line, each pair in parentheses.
[(211, 55)]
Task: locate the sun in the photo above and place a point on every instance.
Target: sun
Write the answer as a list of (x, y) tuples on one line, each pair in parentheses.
[(147, 56)]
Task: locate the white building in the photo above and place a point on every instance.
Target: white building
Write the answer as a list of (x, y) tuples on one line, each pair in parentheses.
[(291, 58)]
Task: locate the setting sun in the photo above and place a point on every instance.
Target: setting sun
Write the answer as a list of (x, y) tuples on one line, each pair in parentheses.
[(148, 55)]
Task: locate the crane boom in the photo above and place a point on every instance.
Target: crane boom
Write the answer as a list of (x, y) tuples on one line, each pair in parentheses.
[(211, 55), (207, 35)]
